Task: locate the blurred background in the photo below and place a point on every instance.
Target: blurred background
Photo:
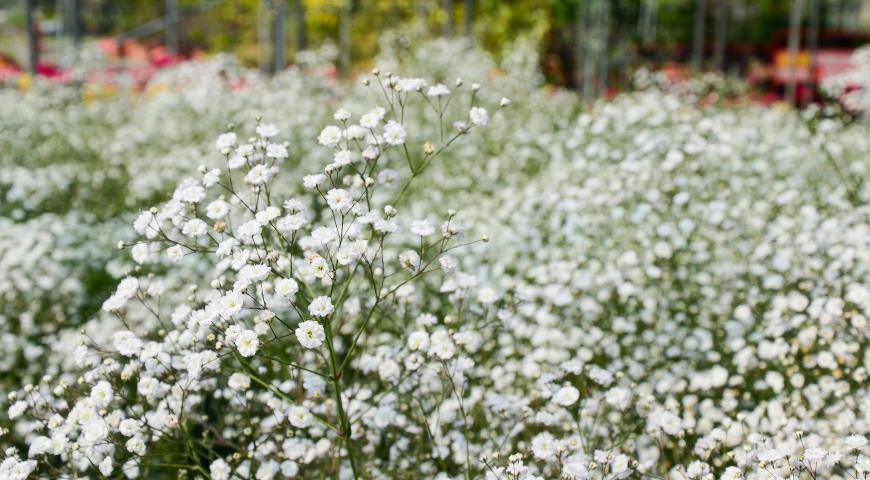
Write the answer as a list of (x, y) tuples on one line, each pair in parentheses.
[(782, 48)]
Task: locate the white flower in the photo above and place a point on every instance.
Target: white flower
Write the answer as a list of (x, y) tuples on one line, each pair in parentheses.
[(267, 130), (225, 141), (576, 470), (438, 90), (731, 473), (277, 151), (772, 455), (663, 419), (544, 446), (189, 191), (287, 288), (267, 215), (330, 136), (127, 343), (232, 303), (567, 396), (410, 84), (299, 417), (389, 371), (146, 224), (341, 115), (310, 334), (815, 455), (254, 273), (479, 116), (371, 152), (371, 119), (342, 158), (410, 260), (219, 470), (339, 199), (854, 442), (106, 466), (101, 394), (17, 409), (239, 381), (94, 431), (487, 295), (394, 133), (259, 175), (311, 181), (321, 307), (424, 227), (247, 343), (448, 264), (38, 446), (217, 209), (129, 427), (175, 253), (194, 228), (618, 397), (418, 340)]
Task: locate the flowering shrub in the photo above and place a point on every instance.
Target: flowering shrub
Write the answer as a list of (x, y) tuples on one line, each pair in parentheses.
[(656, 286)]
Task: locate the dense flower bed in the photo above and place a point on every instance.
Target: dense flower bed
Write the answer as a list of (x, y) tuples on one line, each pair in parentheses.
[(428, 277)]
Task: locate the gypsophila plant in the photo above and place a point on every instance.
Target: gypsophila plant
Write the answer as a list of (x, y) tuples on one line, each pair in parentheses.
[(674, 283), (312, 345)]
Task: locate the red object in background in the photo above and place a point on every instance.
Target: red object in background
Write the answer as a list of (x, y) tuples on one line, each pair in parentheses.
[(161, 58), (8, 67), (832, 62), (50, 70)]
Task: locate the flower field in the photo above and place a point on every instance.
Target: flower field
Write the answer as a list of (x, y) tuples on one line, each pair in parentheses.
[(440, 270)]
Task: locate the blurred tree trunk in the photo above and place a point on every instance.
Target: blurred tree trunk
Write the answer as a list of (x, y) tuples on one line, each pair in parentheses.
[(813, 37), (344, 36), (422, 12), (172, 27), (469, 19), (279, 35), (594, 27), (586, 41), (720, 28), (647, 19), (32, 40), (263, 35), (450, 8), (301, 25), (74, 26), (794, 32), (698, 34), (603, 35), (578, 50)]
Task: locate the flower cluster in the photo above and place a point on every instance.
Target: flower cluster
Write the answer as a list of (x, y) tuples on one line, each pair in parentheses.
[(659, 285)]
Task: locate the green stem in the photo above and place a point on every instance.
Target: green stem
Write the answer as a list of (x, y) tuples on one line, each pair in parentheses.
[(344, 423)]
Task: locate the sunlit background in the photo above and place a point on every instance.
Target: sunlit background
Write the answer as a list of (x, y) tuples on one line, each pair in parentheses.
[(784, 48)]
